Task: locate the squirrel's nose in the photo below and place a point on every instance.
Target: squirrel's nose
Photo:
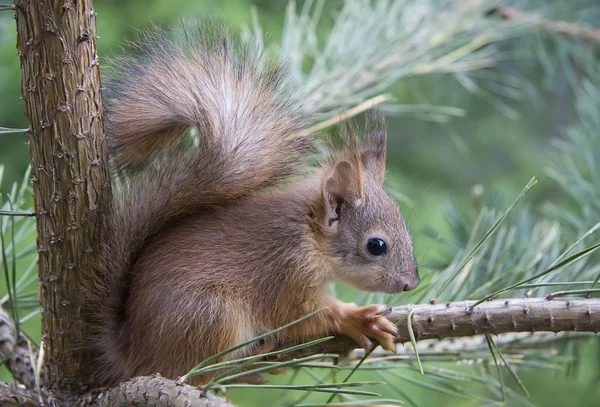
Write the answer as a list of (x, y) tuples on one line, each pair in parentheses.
[(412, 284), (414, 280)]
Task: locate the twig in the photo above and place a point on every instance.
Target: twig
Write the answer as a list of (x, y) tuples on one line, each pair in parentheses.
[(16, 213), (586, 291), (558, 27), (15, 352), (460, 319), (356, 110), (7, 130)]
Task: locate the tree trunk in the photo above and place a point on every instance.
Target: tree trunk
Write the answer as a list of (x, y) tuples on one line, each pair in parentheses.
[(70, 179)]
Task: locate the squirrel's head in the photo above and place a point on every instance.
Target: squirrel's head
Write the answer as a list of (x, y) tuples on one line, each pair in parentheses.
[(362, 230)]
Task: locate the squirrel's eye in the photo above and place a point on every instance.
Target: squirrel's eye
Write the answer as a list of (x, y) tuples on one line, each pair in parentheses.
[(376, 246)]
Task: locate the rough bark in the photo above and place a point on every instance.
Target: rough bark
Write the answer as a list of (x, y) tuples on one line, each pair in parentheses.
[(153, 391), (459, 319), (70, 181), (16, 352), (12, 395)]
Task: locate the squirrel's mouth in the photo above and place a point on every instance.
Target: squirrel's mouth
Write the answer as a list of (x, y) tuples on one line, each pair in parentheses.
[(396, 285), (388, 283)]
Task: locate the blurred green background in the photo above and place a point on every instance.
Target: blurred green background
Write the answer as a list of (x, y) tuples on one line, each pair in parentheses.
[(431, 163)]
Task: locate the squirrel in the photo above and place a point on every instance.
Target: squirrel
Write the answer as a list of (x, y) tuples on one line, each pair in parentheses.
[(208, 243)]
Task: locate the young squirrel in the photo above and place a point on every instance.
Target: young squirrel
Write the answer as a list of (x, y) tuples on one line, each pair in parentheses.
[(197, 257)]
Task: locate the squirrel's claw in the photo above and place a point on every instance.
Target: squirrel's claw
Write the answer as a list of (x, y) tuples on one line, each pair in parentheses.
[(362, 323), (386, 333)]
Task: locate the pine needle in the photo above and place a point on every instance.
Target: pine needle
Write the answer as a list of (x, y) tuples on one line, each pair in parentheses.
[(585, 292), (491, 346), (571, 259), (336, 388), (16, 213), (411, 333), (250, 360), (7, 279), (358, 365), (363, 402), (512, 372), (219, 355), (226, 377), (485, 238)]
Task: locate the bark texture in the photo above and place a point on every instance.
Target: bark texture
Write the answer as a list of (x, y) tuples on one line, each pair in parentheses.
[(154, 391), (12, 395), (499, 316), (70, 180)]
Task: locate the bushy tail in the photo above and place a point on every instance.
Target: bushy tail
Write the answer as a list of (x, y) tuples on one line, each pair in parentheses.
[(248, 136)]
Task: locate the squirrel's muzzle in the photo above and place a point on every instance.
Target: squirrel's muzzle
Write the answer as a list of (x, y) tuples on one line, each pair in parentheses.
[(413, 281), (407, 280)]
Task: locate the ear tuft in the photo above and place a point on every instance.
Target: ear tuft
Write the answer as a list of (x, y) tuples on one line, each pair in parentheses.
[(373, 154)]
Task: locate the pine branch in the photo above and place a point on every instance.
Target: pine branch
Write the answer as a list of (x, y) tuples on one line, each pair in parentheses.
[(15, 352), (557, 27), (500, 316), (459, 319), (153, 391)]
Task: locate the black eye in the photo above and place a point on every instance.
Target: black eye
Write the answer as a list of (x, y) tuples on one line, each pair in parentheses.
[(376, 247)]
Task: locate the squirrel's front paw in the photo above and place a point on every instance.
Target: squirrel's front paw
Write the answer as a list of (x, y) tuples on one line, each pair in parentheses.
[(362, 323)]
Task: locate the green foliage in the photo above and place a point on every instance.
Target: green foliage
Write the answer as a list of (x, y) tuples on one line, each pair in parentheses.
[(17, 254), (405, 39), (578, 156)]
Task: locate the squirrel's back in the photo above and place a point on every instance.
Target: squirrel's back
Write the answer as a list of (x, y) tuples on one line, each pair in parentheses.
[(247, 136)]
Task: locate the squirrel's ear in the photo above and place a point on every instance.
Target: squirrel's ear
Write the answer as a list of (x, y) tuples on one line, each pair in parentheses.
[(373, 155), (343, 186)]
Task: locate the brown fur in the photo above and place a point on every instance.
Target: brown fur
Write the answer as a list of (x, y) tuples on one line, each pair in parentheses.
[(196, 258)]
